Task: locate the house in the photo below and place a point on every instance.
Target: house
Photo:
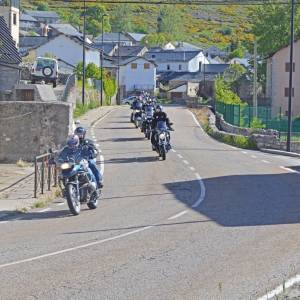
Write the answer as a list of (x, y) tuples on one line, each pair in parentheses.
[(136, 38), (67, 29), (183, 91), (130, 51), (69, 49), (31, 42), (10, 11), (114, 38), (240, 61), (183, 61), (137, 73), (9, 59), (45, 17), (277, 86), (183, 46), (28, 23), (214, 51), (109, 48), (169, 46)]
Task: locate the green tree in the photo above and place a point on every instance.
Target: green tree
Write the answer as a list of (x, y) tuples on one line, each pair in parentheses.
[(43, 6), (110, 88), (223, 92), (94, 16), (122, 18), (170, 21), (92, 71), (79, 70), (272, 26), (156, 39)]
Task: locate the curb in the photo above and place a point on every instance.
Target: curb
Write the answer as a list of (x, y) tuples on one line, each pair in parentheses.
[(280, 152)]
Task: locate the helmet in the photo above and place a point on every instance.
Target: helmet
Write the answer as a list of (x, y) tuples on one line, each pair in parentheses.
[(159, 108), (73, 141), (80, 132)]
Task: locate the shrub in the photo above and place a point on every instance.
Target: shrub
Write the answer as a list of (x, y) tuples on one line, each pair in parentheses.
[(257, 124)]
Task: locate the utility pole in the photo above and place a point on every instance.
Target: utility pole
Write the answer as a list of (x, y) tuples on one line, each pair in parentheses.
[(83, 53), (288, 141), (101, 60), (255, 82), (119, 42)]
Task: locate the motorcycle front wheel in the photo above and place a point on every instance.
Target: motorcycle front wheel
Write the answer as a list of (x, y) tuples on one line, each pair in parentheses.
[(72, 199), (163, 153)]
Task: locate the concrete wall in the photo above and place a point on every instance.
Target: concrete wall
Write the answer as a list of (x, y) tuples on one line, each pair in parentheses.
[(8, 77), (31, 128), (278, 80)]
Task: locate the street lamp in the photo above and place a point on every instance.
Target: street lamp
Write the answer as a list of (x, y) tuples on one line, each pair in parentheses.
[(83, 53), (288, 141), (101, 60)]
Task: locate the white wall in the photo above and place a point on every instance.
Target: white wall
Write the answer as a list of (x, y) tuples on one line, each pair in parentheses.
[(8, 12), (140, 78), (68, 50)]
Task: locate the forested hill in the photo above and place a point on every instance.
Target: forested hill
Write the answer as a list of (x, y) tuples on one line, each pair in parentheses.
[(205, 25)]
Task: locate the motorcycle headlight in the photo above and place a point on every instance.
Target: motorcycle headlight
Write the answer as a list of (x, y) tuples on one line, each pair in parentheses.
[(162, 136), (84, 163), (65, 166)]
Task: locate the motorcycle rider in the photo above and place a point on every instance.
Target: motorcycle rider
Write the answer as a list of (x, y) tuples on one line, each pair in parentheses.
[(159, 115), (90, 152)]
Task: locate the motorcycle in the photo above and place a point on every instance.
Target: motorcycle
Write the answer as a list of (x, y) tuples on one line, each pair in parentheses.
[(162, 139), (77, 183), (146, 127), (138, 118)]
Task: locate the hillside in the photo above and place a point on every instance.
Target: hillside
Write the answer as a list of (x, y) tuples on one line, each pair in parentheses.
[(203, 25)]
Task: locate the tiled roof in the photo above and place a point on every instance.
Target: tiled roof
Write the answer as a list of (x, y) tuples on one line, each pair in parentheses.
[(66, 29), (136, 36), (215, 68), (183, 46), (8, 51), (107, 47), (129, 51)]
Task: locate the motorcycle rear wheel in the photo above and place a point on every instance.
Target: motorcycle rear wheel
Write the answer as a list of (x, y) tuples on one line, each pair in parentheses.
[(72, 200)]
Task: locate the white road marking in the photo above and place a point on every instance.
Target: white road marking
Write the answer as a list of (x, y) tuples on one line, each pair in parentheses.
[(192, 168), (180, 156), (232, 147), (202, 191), (196, 121), (265, 161), (102, 165), (178, 215), (289, 170), (97, 145), (75, 248), (60, 204), (253, 156), (244, 152), (173, 150), (44, 210), (186, 162), (280, 289), (3, 222)]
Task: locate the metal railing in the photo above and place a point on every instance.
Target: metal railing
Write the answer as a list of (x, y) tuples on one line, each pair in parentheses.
[(45, 173)]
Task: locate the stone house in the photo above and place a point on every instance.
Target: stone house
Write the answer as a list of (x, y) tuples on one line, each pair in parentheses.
[(277, 86), (183, 91), (9, 59)]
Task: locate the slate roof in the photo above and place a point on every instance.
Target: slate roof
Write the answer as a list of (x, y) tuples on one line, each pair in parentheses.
[(107, 47), (32, 41), (171, 56), (183, 46), (27, 18), (136, 36), (215, 68), (112, 37), (42, 14), (8, 51), (132, 59), (66, 29), (129, 51)]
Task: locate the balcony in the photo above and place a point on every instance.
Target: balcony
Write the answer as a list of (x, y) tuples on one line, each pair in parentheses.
[(11, 3)]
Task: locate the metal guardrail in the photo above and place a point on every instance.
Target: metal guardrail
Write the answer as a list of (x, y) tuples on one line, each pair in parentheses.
[(45, 173)]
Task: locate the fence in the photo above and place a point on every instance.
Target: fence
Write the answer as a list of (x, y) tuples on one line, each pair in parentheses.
[(45, 173), (242, 115)]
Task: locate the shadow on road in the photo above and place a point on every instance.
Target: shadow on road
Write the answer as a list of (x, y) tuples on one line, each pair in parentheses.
[(245, 200), (125, 139), (129, 160), (119, 128)]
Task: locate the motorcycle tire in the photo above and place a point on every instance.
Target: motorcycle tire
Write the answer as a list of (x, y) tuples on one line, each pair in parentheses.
[(148, 135), (163, 154), (73, 203)]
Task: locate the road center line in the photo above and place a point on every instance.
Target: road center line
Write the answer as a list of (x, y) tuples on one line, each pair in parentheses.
[(253, 156), (178, 215), (173, 150), (192, 169), (44, 210), (244, 152), (75, 248), (265, 161), (60, 204), (180, 156), (186, 162)]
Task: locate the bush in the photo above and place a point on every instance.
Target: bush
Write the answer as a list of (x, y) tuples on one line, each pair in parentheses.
[(257, 124)]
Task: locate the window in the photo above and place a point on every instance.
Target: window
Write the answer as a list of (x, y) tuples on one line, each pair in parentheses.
[(179, 67), (168, 67), (15, 19), (146, 66), (287, 67), (286, 92), (133, 66)]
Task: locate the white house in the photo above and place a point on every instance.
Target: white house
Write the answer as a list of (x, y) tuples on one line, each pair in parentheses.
[(69, 49), (138, 74), (177, 61), (277, 87)]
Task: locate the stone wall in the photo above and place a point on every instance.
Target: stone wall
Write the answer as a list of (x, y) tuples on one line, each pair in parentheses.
[(70, 92), (31, 128), (9, 76)]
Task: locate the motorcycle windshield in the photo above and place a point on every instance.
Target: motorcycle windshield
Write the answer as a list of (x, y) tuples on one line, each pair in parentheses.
[(149, 112), (162, 125), (68, 155)]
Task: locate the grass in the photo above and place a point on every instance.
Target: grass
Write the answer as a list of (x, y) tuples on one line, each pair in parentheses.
[(240, 141), (81, 109)]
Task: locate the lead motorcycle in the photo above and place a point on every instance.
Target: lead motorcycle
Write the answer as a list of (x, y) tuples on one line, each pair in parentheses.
[(77, 182), (162, 139), (147, 121)]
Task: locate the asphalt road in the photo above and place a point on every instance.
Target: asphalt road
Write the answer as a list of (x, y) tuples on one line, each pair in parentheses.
[(210, 222)]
